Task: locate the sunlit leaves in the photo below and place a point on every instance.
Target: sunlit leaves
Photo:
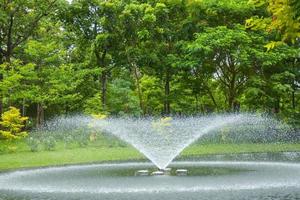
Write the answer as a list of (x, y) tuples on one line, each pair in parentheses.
[(12, 123), (284, 19)]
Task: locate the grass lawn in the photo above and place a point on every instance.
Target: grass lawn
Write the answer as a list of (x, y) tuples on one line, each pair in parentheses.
[(209, 149), (62, 156)]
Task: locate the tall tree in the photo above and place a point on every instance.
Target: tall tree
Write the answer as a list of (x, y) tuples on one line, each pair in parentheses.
[(169, 31), (95, 33), (137, 21), (230, 52), (19, 21), (48, 55)]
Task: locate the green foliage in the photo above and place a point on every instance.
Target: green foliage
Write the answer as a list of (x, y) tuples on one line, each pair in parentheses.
[(93, 105), (16, 75), (285, 19), (230, 53), (152, 93), (12, 124), (128, 57), (122, 100)]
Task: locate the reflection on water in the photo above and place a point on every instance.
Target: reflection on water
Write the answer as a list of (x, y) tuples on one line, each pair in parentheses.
[(192, 171)]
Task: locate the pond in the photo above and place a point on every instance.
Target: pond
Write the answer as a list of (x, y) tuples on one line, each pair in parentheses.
[(205, 180)]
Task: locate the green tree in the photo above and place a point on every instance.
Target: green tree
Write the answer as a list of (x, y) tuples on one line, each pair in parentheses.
[(137, 21), (231, 53), (16, 84), (122, 98), (94, 27), (18, 22), (170, 30), (55, 81), (274, 86)]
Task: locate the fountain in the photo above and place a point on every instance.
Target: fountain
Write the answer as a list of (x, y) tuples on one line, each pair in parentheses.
[(161, 141)]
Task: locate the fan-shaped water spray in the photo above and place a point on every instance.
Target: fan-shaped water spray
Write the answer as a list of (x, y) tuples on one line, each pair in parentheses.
[(161, 140)]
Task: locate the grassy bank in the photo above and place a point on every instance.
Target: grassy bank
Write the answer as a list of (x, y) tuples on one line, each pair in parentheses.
[(211, 149), (62, 156)]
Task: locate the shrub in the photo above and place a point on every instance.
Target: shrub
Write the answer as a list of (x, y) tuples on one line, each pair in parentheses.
[(68, 140), (49, 143), (93, 105), (33, 144), (12, 124)]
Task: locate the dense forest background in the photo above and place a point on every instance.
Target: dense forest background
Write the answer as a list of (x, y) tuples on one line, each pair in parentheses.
[(149, 57)]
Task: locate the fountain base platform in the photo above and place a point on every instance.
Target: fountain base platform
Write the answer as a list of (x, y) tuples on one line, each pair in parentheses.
[(160, 172)]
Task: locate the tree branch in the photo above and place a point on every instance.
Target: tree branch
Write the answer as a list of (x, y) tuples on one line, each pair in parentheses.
[(222, 80), (34, 24)]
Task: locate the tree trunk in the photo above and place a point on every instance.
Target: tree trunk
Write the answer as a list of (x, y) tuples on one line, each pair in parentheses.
[(1, 103), (196, 103), (66, 108), (211, 95), (136, 75), (231, 99), (103, 89), (294, 96), (40, 115), (23, 107), (277, 106), (294, 87), (1, 96), (138, 86), (7, 55), (167, 109), (9, 43), (103, 77), (236, 106), (232, 92)]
